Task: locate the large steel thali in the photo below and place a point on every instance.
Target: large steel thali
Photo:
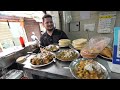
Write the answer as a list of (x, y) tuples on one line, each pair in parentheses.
[(73, 68)]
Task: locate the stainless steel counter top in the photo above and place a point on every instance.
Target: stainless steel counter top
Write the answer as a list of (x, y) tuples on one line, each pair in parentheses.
[(55, 70)]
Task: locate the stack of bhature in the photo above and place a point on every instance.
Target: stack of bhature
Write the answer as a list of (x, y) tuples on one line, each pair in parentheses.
[(64, 42), (79, 43)]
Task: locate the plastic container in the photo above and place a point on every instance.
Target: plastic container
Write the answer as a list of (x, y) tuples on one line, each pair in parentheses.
[(86, 54)]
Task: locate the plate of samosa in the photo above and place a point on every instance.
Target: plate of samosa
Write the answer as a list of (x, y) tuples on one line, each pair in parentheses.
[(107, 53)]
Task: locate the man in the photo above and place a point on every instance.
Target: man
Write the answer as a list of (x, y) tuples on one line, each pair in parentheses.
[(51, 35), (36, 42), (34, 37)]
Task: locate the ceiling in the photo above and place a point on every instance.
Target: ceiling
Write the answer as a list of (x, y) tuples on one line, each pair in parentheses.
[(37, 15)]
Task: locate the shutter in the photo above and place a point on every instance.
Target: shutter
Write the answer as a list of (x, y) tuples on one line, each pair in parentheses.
[(5, 35), (4, 31)]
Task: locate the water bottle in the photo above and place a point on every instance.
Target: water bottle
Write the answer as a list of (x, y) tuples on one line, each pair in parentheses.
[(22, 41)]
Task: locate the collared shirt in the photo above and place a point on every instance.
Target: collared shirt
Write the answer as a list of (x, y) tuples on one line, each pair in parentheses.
[(46, 39)]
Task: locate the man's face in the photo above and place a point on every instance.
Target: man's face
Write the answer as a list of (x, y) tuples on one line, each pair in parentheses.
[(48, 24)]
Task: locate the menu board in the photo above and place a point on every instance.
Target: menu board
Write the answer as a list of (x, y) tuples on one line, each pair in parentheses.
[(106, 22), (116, 46)]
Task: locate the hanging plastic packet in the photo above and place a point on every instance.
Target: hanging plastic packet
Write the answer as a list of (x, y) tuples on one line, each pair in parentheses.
[(98, 43), (94, 46)]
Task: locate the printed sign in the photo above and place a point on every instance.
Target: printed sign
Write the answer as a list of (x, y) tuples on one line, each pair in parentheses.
[(106, 22)]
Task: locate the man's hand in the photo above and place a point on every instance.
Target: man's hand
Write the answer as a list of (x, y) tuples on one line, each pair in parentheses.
[(43, 50)]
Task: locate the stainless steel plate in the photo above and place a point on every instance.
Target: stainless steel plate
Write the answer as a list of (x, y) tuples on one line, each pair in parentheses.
[(41, 65), (105, 57), (69, 59), (52, 48)]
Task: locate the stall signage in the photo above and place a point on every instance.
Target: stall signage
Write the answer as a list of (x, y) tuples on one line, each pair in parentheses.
[(116, 46)]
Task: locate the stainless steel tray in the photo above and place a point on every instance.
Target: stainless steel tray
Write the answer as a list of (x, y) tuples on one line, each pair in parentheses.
[(13, 74)]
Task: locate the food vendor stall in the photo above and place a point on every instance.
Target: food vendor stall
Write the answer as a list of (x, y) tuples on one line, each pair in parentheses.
[(80, 57)]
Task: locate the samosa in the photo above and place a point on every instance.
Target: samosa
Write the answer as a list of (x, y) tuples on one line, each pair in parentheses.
[(107, 52)]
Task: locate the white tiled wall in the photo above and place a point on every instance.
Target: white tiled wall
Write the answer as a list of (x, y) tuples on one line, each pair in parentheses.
[(93, 19)]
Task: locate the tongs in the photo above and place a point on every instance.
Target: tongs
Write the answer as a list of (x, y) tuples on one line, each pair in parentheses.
[(42, 46)]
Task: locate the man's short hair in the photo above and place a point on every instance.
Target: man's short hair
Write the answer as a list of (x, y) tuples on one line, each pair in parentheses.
[(46, 16)]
